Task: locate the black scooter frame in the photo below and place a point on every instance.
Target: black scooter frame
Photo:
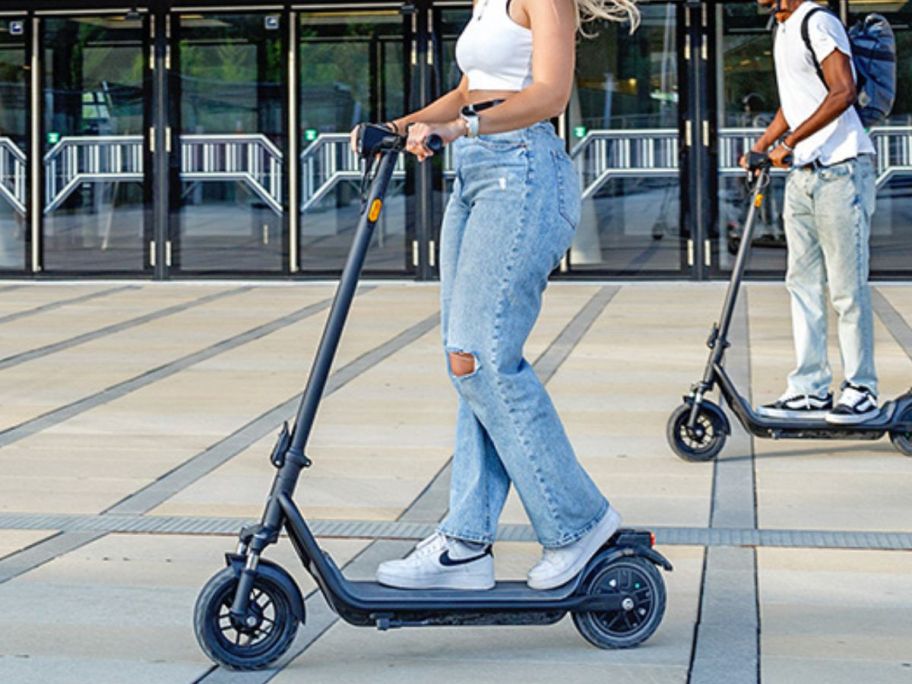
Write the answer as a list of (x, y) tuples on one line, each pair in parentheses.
[(895, 416), (369, 603)]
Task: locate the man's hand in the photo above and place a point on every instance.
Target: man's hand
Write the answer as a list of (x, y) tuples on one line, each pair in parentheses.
[(780, 157)]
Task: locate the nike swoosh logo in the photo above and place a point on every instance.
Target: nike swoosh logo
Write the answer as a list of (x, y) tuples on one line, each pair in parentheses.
[(448, 562)]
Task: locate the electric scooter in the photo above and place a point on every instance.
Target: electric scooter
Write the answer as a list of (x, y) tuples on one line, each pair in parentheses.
[(697, 430), (247, 615)]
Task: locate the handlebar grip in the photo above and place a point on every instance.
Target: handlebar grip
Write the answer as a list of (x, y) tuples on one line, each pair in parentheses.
[(434, 143)]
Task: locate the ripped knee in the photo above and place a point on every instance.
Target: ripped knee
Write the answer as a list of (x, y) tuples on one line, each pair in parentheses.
[(462, 363)]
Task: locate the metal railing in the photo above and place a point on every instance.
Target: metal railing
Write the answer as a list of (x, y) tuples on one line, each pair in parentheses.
[(76, 160), (636, 153), (626, 153), (257, 162), (328, 161), (13, 175), (252, 159)]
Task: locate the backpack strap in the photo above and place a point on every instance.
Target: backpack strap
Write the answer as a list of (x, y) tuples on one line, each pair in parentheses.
[(805, 36)]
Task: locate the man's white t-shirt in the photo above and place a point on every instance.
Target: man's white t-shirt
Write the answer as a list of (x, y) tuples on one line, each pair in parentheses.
[(801, 91)]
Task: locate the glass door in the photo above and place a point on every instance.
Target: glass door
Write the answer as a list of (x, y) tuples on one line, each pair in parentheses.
[(14, 140), (747, 102), (228, 158), (352, 68), (623, 128), (891, 227), (95, 88)]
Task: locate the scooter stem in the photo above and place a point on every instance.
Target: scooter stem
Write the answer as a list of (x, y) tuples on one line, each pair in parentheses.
[(345, 292), (747, 236)]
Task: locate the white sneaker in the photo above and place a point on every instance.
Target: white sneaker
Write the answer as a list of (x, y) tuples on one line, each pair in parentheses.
[(559, 566), (856, 405), (439, 562)]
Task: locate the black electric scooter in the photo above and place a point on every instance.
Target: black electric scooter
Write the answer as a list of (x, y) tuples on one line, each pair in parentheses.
[(247, 615), (697, 429)]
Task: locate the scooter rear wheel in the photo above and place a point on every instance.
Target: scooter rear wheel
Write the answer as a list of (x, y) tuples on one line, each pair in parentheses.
[(903, 440), (703, 443), (242, 647), (643, 604)]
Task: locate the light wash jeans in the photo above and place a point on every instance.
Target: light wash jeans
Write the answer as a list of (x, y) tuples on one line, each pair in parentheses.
[(828, 226), (510, 219)]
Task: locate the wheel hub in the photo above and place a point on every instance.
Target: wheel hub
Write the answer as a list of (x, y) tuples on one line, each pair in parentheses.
[(627, 604)]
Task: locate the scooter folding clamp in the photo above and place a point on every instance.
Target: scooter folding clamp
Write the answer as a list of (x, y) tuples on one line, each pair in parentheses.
[(277, 457)]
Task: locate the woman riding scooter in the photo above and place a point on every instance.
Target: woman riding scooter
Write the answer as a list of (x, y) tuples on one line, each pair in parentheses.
[(511, 217)]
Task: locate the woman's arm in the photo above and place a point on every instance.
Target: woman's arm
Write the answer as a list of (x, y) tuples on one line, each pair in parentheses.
[(444, 108)]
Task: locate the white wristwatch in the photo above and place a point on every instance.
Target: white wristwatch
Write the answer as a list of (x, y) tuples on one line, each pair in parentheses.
[(470, 116)]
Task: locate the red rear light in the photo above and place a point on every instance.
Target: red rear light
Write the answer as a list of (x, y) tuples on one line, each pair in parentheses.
[(652, 539)]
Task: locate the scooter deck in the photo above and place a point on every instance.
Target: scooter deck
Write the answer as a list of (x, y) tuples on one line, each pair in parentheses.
[(510, 590), (505, 595)]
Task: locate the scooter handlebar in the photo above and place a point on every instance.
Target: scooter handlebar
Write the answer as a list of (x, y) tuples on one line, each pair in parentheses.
[(434, 143), (375, 138), (757, 161)]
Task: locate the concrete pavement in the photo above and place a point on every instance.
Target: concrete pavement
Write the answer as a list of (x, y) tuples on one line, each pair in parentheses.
[(161, 401)]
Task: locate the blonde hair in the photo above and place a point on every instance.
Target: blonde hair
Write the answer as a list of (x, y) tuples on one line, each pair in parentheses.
[(610, 10)]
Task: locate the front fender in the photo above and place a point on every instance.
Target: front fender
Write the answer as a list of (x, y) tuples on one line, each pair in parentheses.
[(715, 410), (275, 573)]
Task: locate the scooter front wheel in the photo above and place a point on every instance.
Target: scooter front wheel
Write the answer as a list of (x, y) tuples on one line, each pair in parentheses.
[(903, 440), (238, 646), (642, 605), (703, 442)]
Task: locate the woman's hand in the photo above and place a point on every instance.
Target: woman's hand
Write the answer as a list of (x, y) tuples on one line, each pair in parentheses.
[(419, 132)]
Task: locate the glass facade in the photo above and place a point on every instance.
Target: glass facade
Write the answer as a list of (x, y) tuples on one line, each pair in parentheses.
[(211, 139), (93, 147), (231, 194), (14, 122), (623, 129), (352, 68)]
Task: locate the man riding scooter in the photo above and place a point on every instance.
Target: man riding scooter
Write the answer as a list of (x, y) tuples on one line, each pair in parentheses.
[(829, 201)]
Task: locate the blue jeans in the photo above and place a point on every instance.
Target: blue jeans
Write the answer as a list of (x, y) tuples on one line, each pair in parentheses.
[(828, 226), (510, 219)]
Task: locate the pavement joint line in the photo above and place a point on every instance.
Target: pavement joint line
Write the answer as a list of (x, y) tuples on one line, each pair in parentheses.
[(397, 530), (25, 560), (269, 422), (50, 306), (726, 645), (69, 343), (63, 413), (8, 288), (893, 321), (428, 507)]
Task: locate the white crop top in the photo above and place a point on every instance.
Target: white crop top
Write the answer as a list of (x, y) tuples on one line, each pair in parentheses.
[(495, 52)]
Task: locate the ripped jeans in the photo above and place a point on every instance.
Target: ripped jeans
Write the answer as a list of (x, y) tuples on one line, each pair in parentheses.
[(510, 219)]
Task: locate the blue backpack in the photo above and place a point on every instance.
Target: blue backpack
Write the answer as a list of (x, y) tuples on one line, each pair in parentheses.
[(874, 55)]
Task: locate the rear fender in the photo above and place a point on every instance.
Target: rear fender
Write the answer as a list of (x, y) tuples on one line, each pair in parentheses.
[(612, 554)]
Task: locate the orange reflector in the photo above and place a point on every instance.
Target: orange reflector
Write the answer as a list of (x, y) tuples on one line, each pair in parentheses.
[(652, 539), (759, 200), (376, 206)]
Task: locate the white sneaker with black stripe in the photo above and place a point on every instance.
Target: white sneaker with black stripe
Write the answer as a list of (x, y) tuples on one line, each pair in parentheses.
[(440, 562), (801, 406), (856, 405)]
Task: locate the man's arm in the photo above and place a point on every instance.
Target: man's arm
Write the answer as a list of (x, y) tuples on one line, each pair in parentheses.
[(777, 128), (837, 73)]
